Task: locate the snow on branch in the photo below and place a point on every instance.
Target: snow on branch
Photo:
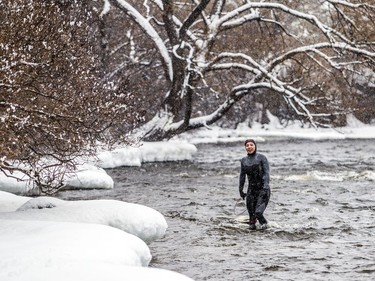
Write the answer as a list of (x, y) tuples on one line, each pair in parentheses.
[(326, 30), (106, 8), (351, 5), (238, 93), (292, 95), (218, 8), (241, 20), (261, 70), (150, 31), (315, 49), (193, 16), (232, 65), (301, 44), (175, 20)]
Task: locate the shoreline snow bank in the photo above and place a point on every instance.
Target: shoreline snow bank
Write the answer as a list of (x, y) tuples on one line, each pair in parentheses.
[(42, 242), (141, 221), (147, 152), (10, 202), (39, 250), (274, 129), (94, 272), (88, 176), (47, 238), (91, 174)]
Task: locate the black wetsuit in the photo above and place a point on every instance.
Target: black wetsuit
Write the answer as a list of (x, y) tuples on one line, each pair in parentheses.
[(256, 167)]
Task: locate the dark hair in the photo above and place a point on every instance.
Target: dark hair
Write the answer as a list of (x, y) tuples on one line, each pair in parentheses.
[(253, 141), (250, 140)]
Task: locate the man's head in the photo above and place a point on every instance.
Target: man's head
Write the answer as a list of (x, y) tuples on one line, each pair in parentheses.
[(250, 146)]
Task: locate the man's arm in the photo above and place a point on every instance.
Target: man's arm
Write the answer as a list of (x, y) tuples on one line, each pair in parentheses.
[(242, 181), (266, 173)]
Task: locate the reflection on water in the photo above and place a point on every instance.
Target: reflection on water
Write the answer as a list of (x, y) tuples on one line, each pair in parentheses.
[(321, 212)]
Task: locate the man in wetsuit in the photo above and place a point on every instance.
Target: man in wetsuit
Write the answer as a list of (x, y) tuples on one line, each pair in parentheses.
[(255, 167)]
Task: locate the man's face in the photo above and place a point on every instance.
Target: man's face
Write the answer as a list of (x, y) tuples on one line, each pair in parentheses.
[(250, 147)]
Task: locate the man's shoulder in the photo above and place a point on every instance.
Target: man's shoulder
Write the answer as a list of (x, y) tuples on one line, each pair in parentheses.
[(261, 156)]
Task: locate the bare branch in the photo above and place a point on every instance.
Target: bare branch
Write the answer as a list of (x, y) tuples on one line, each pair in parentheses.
[(192, 17), (149, 29)]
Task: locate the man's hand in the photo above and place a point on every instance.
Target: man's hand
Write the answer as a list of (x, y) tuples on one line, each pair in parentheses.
[(243, 195), (265, 193)]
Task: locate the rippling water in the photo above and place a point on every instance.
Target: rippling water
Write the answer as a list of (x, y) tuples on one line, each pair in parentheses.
[(321, 212)]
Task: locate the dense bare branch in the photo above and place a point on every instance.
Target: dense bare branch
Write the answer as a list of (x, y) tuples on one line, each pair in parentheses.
[(55, 105), (221, 53)]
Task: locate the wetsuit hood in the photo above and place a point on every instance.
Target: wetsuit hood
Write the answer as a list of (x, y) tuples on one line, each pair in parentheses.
[(253, 141)]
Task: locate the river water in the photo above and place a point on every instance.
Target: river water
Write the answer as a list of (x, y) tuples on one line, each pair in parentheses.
[(321, 213)]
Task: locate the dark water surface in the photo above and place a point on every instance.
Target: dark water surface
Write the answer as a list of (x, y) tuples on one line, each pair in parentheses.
[(321, 213)]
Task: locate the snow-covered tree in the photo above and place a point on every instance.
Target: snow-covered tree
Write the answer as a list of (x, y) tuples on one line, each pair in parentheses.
[(55, 105), (222, 51)]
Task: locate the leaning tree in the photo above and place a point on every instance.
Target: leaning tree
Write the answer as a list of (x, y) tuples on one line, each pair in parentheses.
[(218, 52)]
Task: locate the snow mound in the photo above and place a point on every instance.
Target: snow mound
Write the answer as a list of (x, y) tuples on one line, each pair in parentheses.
[(41, 245), (95, 272), (148, 152), (52, 239), (141, 221), (41, 203), (10, 202), (87, 177)]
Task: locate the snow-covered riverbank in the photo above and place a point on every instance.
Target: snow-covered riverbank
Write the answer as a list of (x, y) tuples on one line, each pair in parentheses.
[(46, 238)]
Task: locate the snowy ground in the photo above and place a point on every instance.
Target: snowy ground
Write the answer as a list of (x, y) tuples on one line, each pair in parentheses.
[(50, 239), (46, 238)]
